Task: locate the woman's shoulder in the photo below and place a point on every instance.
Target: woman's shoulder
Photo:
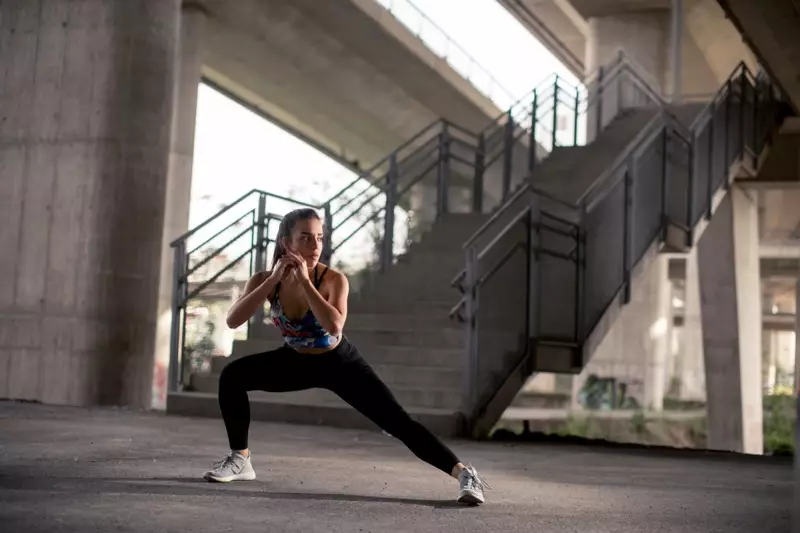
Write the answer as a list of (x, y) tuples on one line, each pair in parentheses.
[(333, 274)]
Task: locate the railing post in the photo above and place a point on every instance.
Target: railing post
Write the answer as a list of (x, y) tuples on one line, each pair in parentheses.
[(327, 238), (710, 181), (755, 122), (742, 107), (627, 245), (261, 253), (691, 193), (178, 270), (599, 113), (508, 147), (471, 325), (665, 176), (443, 173), (580, 276), (261, 216), (575, 117), (555, 112), (726, 134), (533, 289), (532, 138), (387, 254), (477, 180)]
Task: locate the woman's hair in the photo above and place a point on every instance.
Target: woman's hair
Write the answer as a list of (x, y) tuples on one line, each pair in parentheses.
[(286, 227)]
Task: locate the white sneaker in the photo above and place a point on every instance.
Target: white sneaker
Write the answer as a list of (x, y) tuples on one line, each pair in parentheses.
[(234, 467), (471, 486)]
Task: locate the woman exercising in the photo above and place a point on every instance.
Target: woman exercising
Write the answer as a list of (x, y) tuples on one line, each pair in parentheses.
[(309, 306)]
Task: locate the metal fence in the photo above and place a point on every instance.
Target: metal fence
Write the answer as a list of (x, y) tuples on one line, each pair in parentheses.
[(443, 169), (569, 262)]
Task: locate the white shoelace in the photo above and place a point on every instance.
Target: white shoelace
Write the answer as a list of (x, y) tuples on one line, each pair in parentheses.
[(221, 464), (474, 481)]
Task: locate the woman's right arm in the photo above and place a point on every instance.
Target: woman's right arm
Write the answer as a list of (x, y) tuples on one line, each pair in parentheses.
[(255, 293)]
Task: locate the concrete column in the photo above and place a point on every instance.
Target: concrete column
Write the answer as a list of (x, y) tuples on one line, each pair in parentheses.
[(730, 293), (691, 369), (797, 342), (179, 181), (635, 349), (86, 108), (644, 36)]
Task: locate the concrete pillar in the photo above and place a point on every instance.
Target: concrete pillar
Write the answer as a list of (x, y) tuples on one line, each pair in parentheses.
[(730, 293), (691, 369), (179, 181), (797, 342), (644, 37), (635, 349), (86, 107)]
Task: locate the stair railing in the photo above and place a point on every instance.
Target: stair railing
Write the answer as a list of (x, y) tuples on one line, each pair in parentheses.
[(429, 167), (654, 194)]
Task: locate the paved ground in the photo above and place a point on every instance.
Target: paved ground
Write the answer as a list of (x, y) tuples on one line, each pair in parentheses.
[(67, 469)]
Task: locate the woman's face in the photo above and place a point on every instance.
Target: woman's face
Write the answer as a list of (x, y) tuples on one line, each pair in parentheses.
[(306, 240)]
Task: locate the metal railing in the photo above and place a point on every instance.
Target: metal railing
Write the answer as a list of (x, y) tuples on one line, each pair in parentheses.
[(575, 260), (436, 40), (392, 203)]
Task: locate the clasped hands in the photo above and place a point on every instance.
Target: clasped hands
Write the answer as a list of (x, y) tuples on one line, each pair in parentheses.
[(291, 265)]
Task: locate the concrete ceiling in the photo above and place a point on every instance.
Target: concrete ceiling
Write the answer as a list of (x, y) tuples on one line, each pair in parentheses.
[(770, 28)]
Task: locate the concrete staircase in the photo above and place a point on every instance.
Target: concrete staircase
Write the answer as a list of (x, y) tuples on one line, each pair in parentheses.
[(399, 323), (399, 319)]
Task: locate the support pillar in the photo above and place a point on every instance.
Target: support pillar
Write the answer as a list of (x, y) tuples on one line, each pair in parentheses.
[(643, 37), (634, 351), (189, 61), (84, 156), (691, 369), (730, 293)]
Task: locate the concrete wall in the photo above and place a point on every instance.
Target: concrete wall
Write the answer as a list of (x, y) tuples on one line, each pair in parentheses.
[(84, 154)]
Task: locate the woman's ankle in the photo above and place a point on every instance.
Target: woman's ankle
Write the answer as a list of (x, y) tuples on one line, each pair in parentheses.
[(244, 453)]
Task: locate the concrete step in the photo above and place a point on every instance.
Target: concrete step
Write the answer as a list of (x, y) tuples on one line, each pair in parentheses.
[(407, 394), (452, 337), (400, 321), (281, 408), (433, 309)]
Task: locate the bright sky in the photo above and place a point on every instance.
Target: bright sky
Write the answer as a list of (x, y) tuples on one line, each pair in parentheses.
[(236, 151)]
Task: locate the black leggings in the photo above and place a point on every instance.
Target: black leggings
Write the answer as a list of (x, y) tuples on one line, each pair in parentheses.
[(341, 370)]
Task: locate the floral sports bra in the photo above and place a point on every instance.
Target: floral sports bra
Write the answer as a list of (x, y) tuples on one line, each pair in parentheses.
[(306, 332)]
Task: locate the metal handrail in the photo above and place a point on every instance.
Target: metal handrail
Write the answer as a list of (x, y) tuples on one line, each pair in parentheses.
[(448, 43), (616, 70), (230, 206)]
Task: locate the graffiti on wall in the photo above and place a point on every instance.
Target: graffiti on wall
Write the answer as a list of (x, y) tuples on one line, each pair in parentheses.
[(603, 394)]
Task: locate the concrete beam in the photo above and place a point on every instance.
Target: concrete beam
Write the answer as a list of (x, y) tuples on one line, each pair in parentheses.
[(601, 8), (346, 74)]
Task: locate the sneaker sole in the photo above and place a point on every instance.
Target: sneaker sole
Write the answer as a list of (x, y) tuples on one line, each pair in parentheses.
[(227, 479), (470, 499)]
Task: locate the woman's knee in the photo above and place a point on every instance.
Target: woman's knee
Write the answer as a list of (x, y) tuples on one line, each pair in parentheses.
[(231, 375)]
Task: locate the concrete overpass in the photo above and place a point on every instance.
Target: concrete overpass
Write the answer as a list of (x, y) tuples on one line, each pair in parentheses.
[(584, 33)]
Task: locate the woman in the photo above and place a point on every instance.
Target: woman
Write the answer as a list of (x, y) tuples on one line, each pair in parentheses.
[(309, 306)]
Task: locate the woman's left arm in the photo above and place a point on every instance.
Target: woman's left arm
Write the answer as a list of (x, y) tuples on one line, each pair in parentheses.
[(331, 312)]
